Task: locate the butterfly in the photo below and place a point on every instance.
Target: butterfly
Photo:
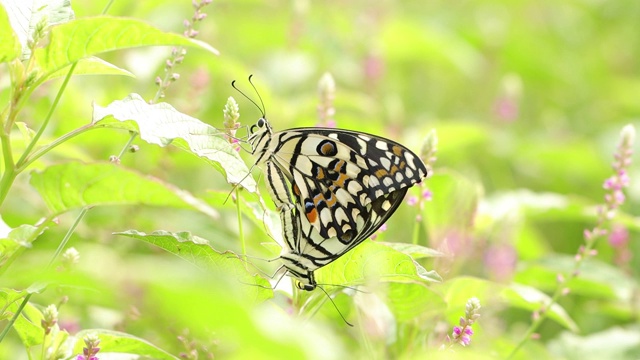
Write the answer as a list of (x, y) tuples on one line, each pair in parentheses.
[(333, 189)]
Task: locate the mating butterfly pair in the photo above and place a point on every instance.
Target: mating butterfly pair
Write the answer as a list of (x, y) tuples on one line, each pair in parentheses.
[(333, 188)]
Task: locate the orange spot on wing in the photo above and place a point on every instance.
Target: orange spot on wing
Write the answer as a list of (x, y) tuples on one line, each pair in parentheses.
[(296, 190), (341, 180), (312, 215), (320, 174), (380, 173), (339, 165), (397, 150), (394, 169), (327, 148), (331, 201)]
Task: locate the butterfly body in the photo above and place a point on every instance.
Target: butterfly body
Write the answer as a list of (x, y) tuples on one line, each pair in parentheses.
[(333, 188)]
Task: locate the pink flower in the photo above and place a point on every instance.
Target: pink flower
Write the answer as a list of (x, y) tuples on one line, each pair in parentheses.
[(619, 236)]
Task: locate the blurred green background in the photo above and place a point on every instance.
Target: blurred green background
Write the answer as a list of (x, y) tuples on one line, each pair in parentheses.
[(527, 98)]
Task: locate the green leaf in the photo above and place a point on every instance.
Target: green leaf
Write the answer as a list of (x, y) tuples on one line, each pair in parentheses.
[(90, 66), (119, 342), (26, 15), (16, 241), (84, 37), (28, 324), (597, 279), (161, 124), (10, 45), (529, 298), (373, 260), (74, 185), (415, 251), (197, 251), (410, 301)]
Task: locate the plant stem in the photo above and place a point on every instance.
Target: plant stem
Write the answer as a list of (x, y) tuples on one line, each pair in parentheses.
[(9, 173), (5, 331), (243, 245), (35, 139), (65, 240), (45, 149)]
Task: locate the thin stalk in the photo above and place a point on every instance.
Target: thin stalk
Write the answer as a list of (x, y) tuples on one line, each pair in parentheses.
[(45, 149), (35, 139), (70, 232), (5, 331), (243, 244), (126, 146), (9, 167)]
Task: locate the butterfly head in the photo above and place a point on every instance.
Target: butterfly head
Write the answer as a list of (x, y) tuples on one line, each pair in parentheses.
[(259, 131), (306, 282)]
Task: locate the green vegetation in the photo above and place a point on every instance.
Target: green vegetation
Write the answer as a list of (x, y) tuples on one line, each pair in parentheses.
[(132, 223)]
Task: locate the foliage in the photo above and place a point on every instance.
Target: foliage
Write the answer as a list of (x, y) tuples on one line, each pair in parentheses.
[(113, 241)]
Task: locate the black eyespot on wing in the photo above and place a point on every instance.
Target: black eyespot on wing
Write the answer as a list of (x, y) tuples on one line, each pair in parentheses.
[(327, 148), (347, 236)]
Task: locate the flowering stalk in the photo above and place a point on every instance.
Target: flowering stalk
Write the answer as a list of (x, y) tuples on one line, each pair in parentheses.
[(178, 53), (91, 350), (613, 199), (462, 334), (231, 114)]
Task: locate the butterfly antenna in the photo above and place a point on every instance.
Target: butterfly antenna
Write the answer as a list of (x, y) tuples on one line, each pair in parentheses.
[(233, 85), (264, 110), (335, 306)]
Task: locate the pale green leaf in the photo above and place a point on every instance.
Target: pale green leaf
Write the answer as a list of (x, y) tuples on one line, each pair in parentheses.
[(161, 124), (28, 324), (408, 302), (119, 342), (27, 14), (199, 252), (529, 298), (84, 37), (10, 44), (90, 66), (15, 243), (374, 261), (74, 185), (415, 251)]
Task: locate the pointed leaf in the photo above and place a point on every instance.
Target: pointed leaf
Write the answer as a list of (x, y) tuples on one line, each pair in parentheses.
[(529, 298), (10, 44), (84, 37), (119, 342), (27, 14), (410, 301), (15, 243), (73, 185), (371, 259), (161, 124), (415, 251), (90, 66), (197, 251)]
